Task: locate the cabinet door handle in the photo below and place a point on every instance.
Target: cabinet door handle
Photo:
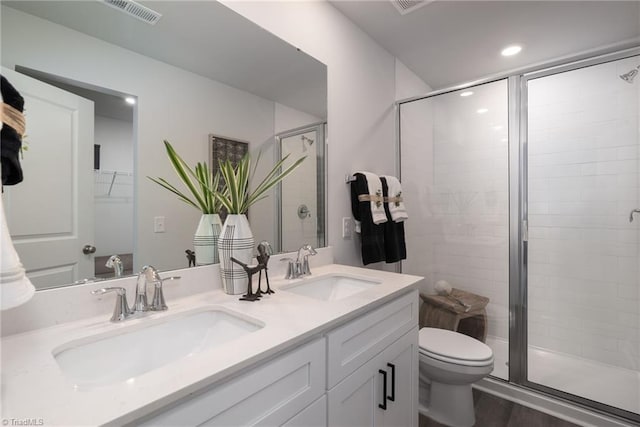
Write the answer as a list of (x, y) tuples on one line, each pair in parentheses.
[(383, 405), (393, 382)]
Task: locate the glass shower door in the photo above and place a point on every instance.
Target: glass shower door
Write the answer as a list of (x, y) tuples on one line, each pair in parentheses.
[(454, 155), (583, 306)]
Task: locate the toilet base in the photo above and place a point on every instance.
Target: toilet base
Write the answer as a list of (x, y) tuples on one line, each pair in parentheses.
[(451, 405)]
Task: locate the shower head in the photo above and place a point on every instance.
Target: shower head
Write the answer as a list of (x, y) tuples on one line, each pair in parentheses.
[(309, 142), (628, 77)]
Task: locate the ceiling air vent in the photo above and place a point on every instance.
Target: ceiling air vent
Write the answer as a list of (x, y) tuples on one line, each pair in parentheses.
[(134, 9), (407, 6)]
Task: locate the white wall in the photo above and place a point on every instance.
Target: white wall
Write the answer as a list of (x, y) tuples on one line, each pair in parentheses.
[(288, 118), (361, 92), (173, 104), (408, 84), (116, 139)]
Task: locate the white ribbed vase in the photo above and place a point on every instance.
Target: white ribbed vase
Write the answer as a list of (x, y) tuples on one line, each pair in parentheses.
[(205, 240), (236, 240)]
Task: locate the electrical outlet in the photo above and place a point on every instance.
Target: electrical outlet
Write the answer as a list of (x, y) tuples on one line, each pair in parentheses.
[(158, 224), (347, 227)]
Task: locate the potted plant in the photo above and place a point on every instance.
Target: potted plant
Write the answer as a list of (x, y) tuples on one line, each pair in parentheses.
[(199, 182), (236, 238)]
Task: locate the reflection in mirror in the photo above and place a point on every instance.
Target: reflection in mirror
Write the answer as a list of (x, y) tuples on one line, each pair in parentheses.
[(301, 207), (112, 172), (201, 69)]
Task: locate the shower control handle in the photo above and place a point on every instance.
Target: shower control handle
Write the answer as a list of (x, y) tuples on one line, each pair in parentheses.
[(634, 211)]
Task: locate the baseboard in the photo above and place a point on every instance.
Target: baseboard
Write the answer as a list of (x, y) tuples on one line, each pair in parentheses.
[(557, 408)]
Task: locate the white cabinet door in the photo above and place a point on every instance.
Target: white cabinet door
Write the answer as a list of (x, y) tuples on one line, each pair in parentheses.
[(353, 401), (400, 362), (314, 415), (50, 213), (359, 400)]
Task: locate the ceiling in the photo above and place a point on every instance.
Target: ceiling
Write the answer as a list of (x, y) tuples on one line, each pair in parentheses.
[(206, 38), (448, 42)]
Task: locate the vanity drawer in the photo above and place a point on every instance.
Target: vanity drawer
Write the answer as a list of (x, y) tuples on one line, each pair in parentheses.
[(268, 395), (352, 345)]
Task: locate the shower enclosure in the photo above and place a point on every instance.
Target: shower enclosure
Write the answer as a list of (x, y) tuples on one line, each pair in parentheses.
[(300, 205), (524, 190)]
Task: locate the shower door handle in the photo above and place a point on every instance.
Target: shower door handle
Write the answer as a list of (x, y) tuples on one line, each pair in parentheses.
[(634, 211)]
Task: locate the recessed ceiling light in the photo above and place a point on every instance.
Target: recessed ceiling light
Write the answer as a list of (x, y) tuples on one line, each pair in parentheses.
[(130, 100), (482, 110), (466, 93), (498, 127), (511, 50)]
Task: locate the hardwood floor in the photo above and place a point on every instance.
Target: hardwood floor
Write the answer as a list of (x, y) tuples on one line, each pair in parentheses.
[(492, 411)]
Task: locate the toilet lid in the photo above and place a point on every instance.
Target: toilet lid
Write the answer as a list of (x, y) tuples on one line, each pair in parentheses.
[(454, 347)]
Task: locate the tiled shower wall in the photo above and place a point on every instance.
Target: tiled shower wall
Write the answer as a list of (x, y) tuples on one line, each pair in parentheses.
[(583, 182)]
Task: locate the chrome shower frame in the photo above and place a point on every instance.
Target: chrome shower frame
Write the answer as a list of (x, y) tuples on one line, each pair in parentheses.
[(321, 158), (517, 81)]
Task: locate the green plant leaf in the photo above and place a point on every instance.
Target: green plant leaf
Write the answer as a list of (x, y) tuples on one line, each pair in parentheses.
[(235, 196), (200, 183)]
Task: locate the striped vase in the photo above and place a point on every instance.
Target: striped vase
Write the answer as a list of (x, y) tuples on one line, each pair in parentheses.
[(236, 240), (205, 240)]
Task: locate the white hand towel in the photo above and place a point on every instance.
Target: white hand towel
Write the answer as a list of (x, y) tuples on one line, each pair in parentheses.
[(376, 203), (396, 205)]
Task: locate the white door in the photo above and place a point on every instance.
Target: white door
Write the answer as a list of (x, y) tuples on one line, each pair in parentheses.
[(50, 213)]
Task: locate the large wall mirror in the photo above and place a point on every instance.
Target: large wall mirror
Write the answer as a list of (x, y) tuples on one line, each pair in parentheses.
[(201, 69)]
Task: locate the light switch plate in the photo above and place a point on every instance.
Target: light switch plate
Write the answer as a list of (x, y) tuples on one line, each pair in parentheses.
[(158, 224), (347, 227)]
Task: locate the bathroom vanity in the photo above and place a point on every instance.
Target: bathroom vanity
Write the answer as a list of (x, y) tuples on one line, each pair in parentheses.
[(336, 348)]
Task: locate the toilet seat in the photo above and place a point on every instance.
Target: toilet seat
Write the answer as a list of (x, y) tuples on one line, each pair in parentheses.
[(453, 347)]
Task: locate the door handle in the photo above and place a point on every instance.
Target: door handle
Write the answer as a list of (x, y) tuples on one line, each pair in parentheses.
[(393, 382), (383, 405), (634, 211), (88, 249)]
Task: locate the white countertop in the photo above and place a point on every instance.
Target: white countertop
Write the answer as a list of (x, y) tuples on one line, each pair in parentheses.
[(34, 387)]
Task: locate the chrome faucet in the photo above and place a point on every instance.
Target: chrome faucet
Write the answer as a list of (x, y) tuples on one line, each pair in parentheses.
[(146, 275), (300, 267), (303, 266), (116, 263), (121, 310)]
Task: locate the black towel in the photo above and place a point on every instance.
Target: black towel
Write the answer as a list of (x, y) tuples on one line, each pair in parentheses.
[(372, 235), (10, 140), (394, 245)]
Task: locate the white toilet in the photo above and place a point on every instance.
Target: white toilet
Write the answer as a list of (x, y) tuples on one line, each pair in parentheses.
[(449, 363)]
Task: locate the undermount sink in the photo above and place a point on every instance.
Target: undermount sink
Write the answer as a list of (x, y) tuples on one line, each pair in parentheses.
[(152, 343), (331, 287)]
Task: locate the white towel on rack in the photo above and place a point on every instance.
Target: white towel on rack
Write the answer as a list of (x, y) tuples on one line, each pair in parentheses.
[(375, 191), (396, 204)]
